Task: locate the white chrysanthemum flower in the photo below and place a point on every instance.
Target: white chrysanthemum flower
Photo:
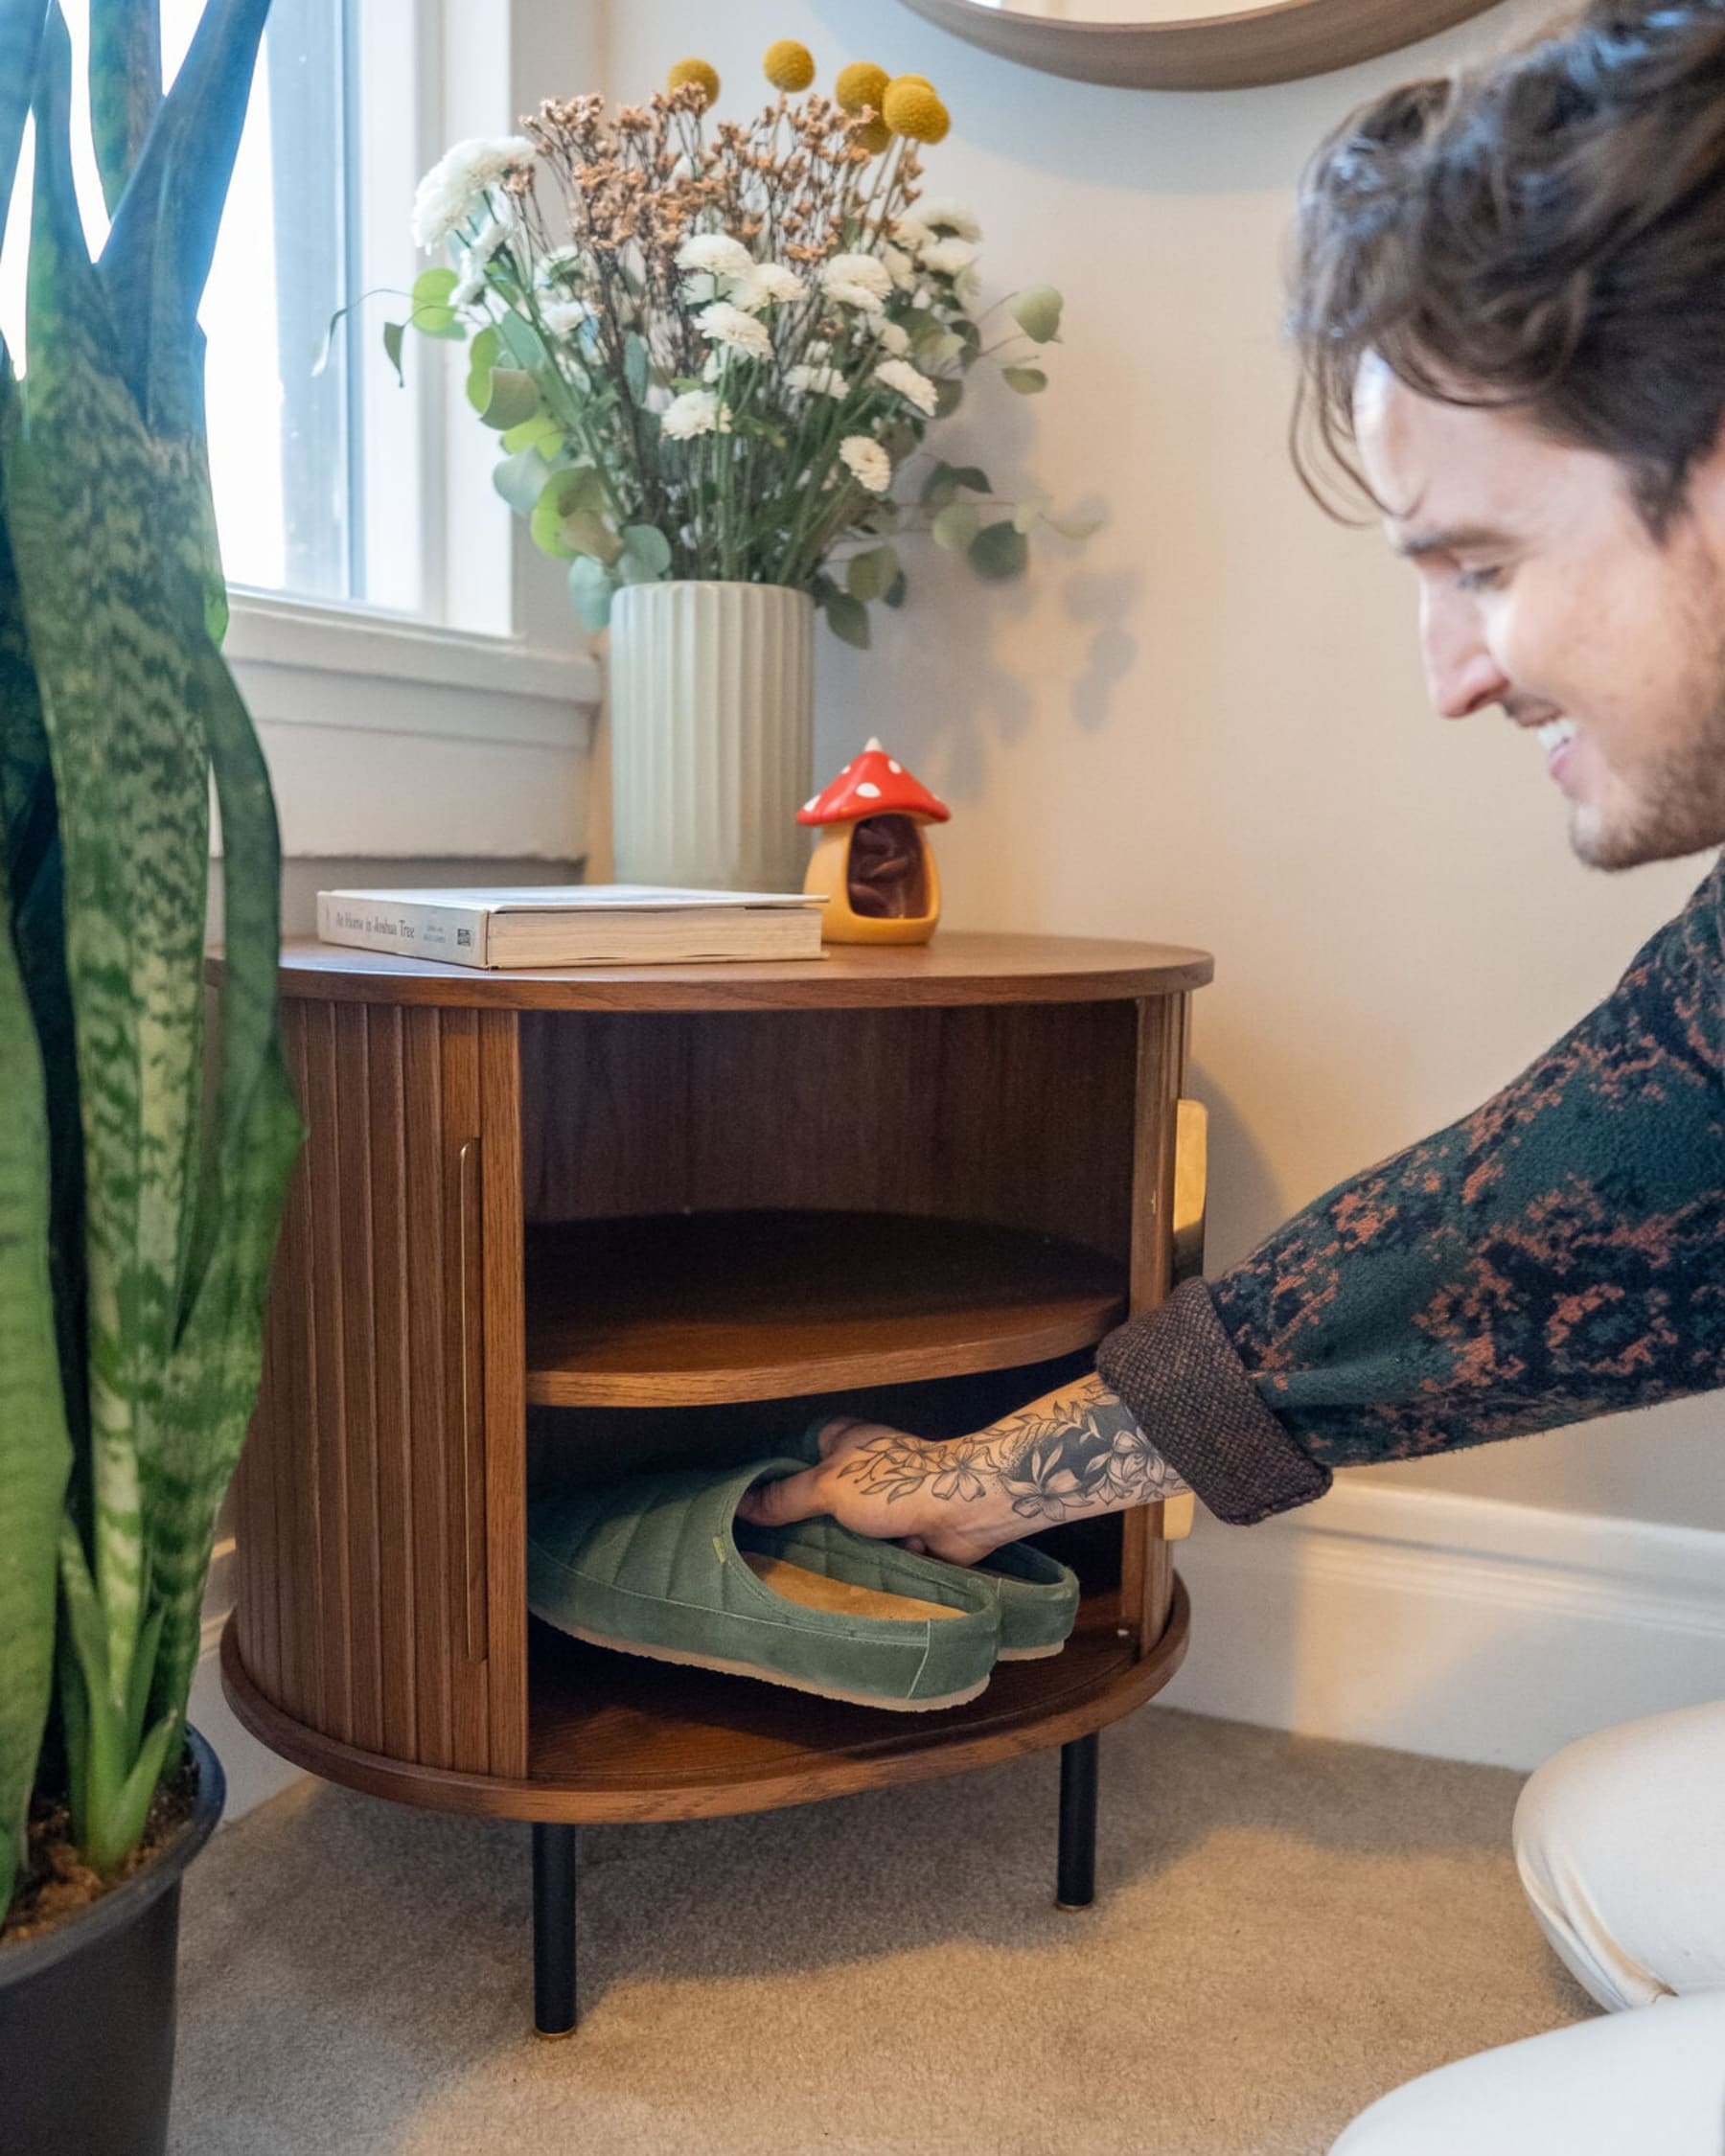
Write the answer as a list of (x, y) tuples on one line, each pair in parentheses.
[(764, 284), (909, 231), (967, 287), (818, 348), (562, 316), (893, 337), (446, 197), (948, 215), (857, 296), (865, 272), (725, 324), (948, 257), (909, 382), (816, 382), (716, 252), (484, 243), (899, 266), (697, 411), (869, 463)]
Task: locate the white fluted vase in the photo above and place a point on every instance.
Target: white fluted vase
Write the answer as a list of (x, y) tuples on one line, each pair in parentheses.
[(712, 707)]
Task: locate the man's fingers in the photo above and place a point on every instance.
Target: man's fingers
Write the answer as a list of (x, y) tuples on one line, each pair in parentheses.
[(777, 1504)]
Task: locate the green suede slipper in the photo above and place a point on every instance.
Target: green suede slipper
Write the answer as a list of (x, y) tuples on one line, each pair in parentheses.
[(1038, 1594), (661, 1565)]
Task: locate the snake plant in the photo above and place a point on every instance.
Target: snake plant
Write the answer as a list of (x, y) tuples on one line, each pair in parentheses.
[(142, 1167)]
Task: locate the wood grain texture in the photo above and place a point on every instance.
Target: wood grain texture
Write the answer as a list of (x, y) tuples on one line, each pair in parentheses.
[(1146, 1572), (1234, 51), (1018, 1115), (362, 1522), (680, 1310), (954, 968), (619, 1739)]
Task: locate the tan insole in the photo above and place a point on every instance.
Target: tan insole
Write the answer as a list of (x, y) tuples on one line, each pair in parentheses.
[(816, 1591)]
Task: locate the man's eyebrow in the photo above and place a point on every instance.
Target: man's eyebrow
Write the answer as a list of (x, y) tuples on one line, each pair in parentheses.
[(1454, 539)]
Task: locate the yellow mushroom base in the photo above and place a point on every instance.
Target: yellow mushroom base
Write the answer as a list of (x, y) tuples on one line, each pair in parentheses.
[(828, 877)]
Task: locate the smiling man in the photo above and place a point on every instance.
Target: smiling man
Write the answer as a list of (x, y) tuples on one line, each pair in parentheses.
[(1509, 303)]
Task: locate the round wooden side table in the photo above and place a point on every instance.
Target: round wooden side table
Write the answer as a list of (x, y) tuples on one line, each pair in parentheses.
[(570, 1223)]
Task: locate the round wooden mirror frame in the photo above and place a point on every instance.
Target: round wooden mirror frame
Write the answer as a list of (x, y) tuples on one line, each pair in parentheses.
[(1274, 44)]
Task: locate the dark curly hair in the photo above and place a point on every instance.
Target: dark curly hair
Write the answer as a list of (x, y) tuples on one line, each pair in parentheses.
[(1546, 234)]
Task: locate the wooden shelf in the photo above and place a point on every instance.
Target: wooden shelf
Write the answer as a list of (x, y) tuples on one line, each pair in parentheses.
[(615, 1737), (680, 1310)]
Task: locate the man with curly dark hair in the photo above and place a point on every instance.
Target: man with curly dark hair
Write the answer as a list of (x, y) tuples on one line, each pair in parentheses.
[(1509, 307)]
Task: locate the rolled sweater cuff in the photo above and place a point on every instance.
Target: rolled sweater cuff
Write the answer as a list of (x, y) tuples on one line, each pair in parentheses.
[(1191, 1395)]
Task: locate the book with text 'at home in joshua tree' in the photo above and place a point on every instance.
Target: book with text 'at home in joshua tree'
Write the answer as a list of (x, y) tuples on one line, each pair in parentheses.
[(574, 924)]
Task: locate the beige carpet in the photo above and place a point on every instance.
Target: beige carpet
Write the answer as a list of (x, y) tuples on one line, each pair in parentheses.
[(1286, 1929)]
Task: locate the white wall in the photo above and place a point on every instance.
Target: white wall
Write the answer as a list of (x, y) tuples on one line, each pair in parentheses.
[(1207, 723)]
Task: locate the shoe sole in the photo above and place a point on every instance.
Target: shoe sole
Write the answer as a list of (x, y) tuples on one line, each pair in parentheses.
[(1031, 1653), (725, 1667)]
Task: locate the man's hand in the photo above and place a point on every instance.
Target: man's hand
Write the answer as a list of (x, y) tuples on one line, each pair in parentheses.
[(1075, 1451), (942, 1499)]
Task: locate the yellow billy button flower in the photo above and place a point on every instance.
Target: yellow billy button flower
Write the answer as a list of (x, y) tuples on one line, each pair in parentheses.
[(873, 136), (698, 71), (910, 107), (860, 83), (788, 64)]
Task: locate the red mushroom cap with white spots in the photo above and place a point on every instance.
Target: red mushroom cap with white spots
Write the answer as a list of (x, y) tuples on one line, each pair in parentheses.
[(873, 784)]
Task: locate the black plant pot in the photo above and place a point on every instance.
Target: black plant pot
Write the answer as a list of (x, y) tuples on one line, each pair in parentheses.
[(86, 2011)]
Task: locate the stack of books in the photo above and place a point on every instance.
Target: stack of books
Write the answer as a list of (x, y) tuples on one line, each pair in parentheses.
[(574, 924)]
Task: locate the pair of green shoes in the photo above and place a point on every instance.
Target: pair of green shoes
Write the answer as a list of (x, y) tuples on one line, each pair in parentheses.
[(661, 1565)]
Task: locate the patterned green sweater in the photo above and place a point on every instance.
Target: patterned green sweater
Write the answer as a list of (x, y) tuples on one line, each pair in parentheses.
[(1557, 1254)]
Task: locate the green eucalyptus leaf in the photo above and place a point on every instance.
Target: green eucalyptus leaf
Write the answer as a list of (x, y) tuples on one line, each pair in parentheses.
[(520, 341), (1028, 381), (894, 593), (849, 619), (998, 550), (948, 395), (566, 494), (521, 479), (393, 334), (585, 532), (1029, 510), (870, 575), (649, 552), (955, 526), (592, 591), (936, 345), (513, 398), (1037, 312), (433, 316), (541, 432), (942, 484)]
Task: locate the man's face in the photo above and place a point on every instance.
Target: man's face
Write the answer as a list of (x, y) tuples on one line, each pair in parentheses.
[(1542, 592)]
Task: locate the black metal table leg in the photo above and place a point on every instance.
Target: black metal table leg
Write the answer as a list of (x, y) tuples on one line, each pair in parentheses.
[(553, 1930), (1075, 1886)]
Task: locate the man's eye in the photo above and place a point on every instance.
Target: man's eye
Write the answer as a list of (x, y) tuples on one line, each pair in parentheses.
[(1478, 580)]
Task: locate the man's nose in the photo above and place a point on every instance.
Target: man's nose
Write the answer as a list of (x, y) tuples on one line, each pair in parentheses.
[(1462, 675)]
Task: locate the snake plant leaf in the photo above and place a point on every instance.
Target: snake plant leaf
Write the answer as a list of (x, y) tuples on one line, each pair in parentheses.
[(21, 23), (126, 86), (36, 1453), (157, 262)]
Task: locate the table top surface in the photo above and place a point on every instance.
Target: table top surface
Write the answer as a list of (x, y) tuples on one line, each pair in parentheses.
[(956, 968)]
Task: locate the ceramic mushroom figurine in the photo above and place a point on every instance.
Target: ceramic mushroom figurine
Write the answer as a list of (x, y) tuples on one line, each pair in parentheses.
[(871, 862)]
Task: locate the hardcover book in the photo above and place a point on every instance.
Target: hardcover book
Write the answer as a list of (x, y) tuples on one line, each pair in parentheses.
[(574, 924)]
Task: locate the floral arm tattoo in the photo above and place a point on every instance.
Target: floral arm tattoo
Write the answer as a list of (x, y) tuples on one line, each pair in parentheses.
[(1075, 1451)]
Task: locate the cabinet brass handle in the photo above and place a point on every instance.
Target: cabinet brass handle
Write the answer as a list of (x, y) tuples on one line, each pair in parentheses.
[(472, 1410)]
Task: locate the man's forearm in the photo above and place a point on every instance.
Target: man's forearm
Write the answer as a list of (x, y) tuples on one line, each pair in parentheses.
[(1072, 1453)]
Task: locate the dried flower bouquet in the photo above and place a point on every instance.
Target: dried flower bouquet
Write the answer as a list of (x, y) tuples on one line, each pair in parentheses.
[(710, 349)]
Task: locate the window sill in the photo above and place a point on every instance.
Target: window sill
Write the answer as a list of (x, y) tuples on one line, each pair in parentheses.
[(389, 739)]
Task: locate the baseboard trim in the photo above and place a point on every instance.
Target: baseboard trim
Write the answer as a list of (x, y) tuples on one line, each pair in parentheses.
[(1455, 1626)]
